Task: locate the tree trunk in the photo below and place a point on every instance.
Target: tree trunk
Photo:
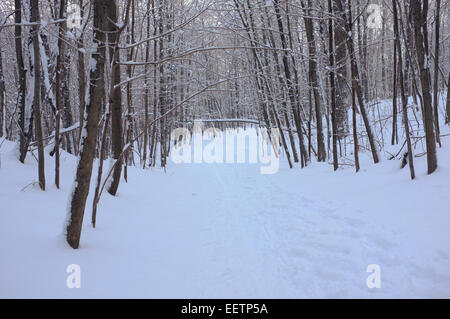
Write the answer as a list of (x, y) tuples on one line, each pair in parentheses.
[(60, 76), (447, 117), (402, 90), (436, 72), (2, 97), (313, 79), (394, 139), (146, 94), (88, 141), (100, 169), (297, 114), (115, 100), (332, 85), (34, 15), (23, 146), (419, 15), (355, 131), (355, 78), (342, 97), (290, 84), (81, 77)]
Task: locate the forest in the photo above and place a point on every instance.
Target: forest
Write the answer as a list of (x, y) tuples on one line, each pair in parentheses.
[(225, 148)]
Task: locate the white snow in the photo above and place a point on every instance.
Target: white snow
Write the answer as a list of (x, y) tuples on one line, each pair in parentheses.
[(226, 231)]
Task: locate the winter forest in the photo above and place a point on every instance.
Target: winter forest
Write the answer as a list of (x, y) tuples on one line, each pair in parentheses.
[(224, 148)]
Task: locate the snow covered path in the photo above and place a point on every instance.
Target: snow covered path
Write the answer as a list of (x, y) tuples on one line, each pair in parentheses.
[(222, 230)]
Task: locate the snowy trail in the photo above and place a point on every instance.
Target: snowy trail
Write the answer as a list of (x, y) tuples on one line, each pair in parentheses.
[(249, 236), (226, 231)]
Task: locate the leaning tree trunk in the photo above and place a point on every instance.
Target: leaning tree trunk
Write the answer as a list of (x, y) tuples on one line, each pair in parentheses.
[(100, 169), (355, 132), (355, 77), (419, 15), (89, 137)]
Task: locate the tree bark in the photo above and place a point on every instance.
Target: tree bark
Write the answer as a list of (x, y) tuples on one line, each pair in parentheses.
[(23, 146), (402, 90), (115, 99), (355, 78), (100, 169), (419, 14), (342, 97), (290, 84), (60, 75), (89, 136), (447, 117), (297, 114), (313, 79), (332, 85), (394, 139), (146, 94), (436, 72), (34, 12), (2, 96), (81, 76)]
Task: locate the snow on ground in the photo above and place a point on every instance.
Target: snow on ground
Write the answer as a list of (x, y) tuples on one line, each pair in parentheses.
[(226, 231)]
